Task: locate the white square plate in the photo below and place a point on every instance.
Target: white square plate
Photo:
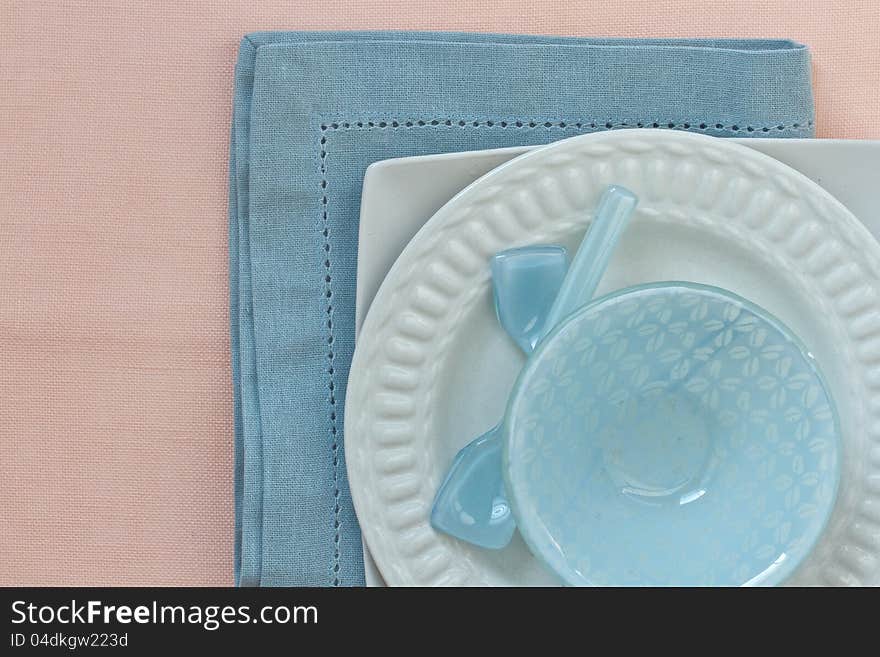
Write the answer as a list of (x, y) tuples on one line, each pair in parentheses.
[(400, 195)]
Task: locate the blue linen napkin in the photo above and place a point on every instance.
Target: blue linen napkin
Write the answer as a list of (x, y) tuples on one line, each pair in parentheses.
[(311, 112)]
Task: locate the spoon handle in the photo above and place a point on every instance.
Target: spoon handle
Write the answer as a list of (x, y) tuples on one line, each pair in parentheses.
[(609, 221)]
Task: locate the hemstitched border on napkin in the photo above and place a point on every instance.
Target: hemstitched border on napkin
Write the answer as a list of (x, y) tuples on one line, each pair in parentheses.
[(805, 125), (328, 295)]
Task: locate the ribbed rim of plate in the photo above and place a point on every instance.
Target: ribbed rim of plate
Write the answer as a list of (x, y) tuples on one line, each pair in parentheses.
[(443, 271)]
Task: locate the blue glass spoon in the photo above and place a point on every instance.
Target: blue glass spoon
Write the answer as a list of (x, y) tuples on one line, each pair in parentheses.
[(471, 503)]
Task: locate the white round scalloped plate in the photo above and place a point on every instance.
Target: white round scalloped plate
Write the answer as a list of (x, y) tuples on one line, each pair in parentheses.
[(432, 369)]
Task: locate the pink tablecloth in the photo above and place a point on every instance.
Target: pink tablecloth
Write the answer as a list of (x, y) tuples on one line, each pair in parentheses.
[(115, 398)]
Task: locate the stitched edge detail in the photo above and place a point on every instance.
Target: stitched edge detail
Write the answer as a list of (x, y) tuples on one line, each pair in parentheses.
[(331, 384), (575, 125)]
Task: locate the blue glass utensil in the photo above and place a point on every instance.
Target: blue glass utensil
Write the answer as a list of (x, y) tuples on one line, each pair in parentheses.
[(471, 503), (524, 283)]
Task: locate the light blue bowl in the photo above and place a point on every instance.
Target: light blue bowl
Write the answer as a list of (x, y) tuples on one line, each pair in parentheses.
[(671, 434)]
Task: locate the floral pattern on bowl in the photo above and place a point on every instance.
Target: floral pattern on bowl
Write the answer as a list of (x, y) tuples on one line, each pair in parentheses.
[(671, 434)]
